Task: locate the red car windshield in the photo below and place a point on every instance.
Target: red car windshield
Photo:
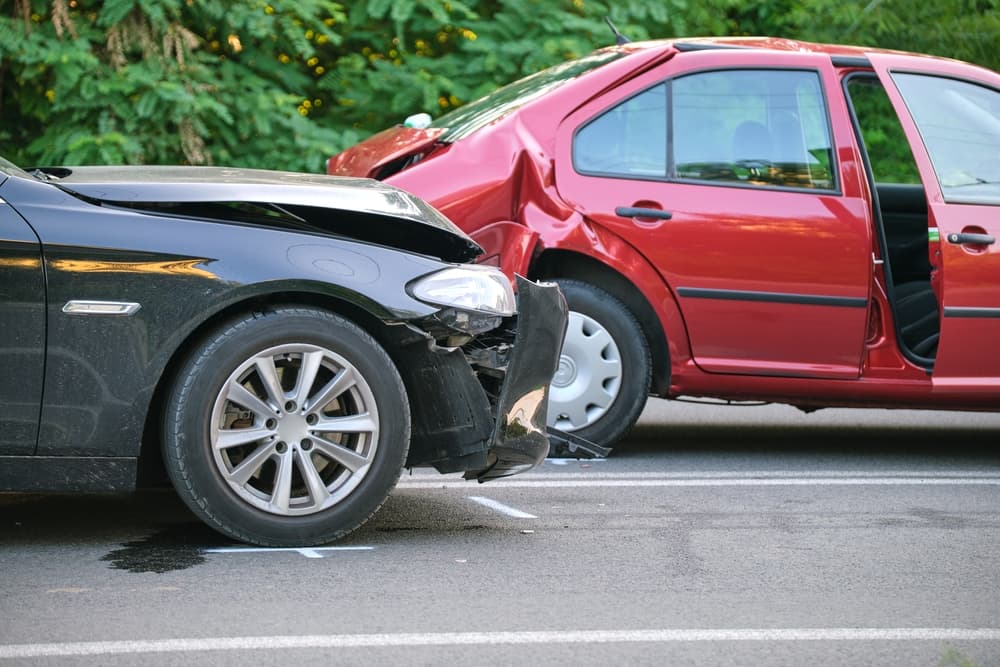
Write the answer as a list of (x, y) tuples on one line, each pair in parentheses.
[(470, 117)]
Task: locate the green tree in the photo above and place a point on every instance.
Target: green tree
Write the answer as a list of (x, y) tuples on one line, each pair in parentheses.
[(164, 81), (286, 83)]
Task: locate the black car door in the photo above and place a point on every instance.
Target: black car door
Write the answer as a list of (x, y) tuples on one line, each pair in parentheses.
[(22, 332)]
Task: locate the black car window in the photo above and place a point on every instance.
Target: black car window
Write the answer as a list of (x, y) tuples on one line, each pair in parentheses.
[(628, 140), (765, 128), (959, 123)]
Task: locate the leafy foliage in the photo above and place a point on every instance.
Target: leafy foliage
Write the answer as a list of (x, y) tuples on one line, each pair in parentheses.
[(285, 83)]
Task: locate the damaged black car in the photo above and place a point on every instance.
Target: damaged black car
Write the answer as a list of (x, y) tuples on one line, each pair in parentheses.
[(280, 345)]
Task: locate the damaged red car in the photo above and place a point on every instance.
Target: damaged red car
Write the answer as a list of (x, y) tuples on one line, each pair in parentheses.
[(741, 219)]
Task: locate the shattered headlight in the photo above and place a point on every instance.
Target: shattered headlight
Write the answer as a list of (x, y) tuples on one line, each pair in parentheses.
[(482, 289), (473, 299)]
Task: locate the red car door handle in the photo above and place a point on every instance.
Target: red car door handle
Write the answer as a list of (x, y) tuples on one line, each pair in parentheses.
[(634, 212), (975, 239)]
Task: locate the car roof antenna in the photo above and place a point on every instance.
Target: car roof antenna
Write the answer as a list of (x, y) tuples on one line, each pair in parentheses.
[(619, 38)]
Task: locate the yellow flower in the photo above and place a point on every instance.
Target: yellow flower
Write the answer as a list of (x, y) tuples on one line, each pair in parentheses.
[(284, 58), (50, 95), (268, 9), (320, 69)]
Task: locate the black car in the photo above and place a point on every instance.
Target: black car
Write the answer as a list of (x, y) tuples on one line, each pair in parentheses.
[(282, 344)]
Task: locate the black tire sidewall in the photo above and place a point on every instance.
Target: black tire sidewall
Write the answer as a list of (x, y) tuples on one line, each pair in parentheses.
[(187, 449), (611, 314)]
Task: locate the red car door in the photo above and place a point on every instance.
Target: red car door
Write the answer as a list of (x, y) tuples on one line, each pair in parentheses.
[(951, 115), (726, 179)]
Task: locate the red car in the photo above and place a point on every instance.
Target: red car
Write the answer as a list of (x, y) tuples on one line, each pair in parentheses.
[(742, 219)]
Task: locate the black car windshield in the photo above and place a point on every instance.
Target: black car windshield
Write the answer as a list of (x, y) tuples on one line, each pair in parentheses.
[(470, 117)]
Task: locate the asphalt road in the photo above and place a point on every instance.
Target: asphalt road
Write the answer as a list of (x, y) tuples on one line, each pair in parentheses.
[(713, 536)]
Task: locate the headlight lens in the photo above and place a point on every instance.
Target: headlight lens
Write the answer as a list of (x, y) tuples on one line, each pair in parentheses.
[(483, 289)]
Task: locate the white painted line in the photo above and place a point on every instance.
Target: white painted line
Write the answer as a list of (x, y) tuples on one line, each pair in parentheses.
[(406, 639), (500, 507), (308, 552), (758, 474), (566, 462), (707, 482), (593, 478)]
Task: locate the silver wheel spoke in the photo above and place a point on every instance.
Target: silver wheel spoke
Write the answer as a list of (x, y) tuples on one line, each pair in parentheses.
[(311, 362), (239, 395), (593, 345), (340, 383), (577, 414), (269, 376), (348, 458), (595, 395), (242, 473), (362, 423), (240, 436), (281, 498), (317, 489)]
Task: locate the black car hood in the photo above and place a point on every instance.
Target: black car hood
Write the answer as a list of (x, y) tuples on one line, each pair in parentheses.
[(358, 208)]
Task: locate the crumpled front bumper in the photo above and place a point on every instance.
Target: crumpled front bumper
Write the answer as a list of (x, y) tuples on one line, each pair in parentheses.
[(480, 409), (519, 440)]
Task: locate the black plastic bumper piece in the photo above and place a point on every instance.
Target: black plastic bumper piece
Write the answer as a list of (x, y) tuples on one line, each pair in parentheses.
[(520, 438), (568, 446)]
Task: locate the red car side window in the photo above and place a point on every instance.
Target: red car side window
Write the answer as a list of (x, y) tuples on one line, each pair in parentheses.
[(752, 127), (628, 140)]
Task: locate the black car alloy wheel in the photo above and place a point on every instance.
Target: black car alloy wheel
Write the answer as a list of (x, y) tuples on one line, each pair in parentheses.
[(287, 427)]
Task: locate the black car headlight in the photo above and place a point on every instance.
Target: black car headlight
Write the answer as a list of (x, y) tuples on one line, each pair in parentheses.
[(474, 298)]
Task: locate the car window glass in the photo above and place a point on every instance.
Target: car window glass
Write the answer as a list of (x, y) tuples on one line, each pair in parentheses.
[(959, 123), (468, 118), (752, 127), (885, 142), (627, 140)]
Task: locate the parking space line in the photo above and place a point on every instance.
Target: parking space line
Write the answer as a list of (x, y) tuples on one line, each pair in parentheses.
[(500, 507), (406, 639), (308, 552), (724, 478)]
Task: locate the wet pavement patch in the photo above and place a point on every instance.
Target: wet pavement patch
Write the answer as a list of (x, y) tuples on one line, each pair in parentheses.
[(175, 548)]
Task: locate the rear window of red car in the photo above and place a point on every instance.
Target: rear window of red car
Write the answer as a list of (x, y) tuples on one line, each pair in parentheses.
[(467, 119)]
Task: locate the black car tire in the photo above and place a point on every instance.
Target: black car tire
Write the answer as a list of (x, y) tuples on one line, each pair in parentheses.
[(604, 374), (355, 390)]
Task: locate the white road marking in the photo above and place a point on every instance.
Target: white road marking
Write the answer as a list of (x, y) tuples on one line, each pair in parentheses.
[(500, 507), (407, 639), (308, 552), (722, 478), (566, 462)]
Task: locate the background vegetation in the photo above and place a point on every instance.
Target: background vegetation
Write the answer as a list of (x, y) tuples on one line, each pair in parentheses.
[(285, 83)]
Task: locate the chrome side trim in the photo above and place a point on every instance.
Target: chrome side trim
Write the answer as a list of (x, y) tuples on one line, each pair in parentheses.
[(101, 308)]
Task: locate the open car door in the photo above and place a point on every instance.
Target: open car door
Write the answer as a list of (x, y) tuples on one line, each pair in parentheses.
[(951, 115)]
